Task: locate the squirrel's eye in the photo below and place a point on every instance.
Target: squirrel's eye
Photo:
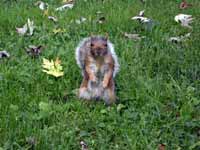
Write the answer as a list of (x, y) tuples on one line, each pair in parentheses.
[(91, 44), (106, 45)]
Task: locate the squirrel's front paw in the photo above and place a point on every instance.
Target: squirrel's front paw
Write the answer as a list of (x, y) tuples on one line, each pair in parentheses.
[(105, 84), (93, 79)]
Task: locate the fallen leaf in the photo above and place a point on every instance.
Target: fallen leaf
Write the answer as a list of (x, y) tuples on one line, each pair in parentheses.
[(179, 39), (134, 37), (161, 147), (54, 19), (67, 1), (52, 68), (184, 5), (120, 107), (140, 17), (175, 39), (100, 17), (33, 50), (42, 5), (141, 13), (57, 61), (22, 30), (69, 6), (46, 13), (99, 13), (101, 20), (29, 26), (83, 145), (58, 30), (81, 20), (184, 19), (4, 54)]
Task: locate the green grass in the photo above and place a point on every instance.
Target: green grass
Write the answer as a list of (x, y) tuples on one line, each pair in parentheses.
[(157, 87)]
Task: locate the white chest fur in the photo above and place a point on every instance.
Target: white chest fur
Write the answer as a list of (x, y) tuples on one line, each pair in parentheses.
[(99, 67)]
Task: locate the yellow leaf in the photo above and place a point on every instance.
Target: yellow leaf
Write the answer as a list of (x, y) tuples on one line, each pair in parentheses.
[(58, 30), (46, 12), (52, 68), (57, 62)]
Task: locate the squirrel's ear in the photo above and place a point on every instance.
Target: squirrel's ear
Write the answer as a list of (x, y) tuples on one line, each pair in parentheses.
[(91, 35), (106, 36), (91, 41)]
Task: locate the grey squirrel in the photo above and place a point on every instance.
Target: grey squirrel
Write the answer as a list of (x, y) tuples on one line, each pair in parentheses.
[(99, 65)]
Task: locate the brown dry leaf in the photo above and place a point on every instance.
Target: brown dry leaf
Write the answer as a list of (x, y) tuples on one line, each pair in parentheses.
[(184, 5), (57, 61), (33, 50), (161, 147)]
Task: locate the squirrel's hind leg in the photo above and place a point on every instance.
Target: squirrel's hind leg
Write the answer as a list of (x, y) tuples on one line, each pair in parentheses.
[(83, 91), (109, 93), (84, 94)]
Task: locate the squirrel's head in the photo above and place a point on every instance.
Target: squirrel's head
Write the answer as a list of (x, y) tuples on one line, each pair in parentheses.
[(98, 46)]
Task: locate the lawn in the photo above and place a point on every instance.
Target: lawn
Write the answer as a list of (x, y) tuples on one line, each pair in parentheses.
[(157, 87)]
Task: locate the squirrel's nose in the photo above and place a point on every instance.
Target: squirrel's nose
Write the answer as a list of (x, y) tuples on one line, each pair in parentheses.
[(98, 52)]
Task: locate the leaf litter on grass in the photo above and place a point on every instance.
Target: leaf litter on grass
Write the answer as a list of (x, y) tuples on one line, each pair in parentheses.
[(184, 5), (66, 6), (83, 145), (140, 17), (4, 54), (120, 107), (147, 22), (179, 39), (29, 26), (135, 37), (34, 51), (53, 68), (54, 19), (184, 19), (42, 5), (81, 20)]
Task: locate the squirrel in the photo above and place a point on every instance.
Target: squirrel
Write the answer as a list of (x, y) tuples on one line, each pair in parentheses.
[(99, 64)]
